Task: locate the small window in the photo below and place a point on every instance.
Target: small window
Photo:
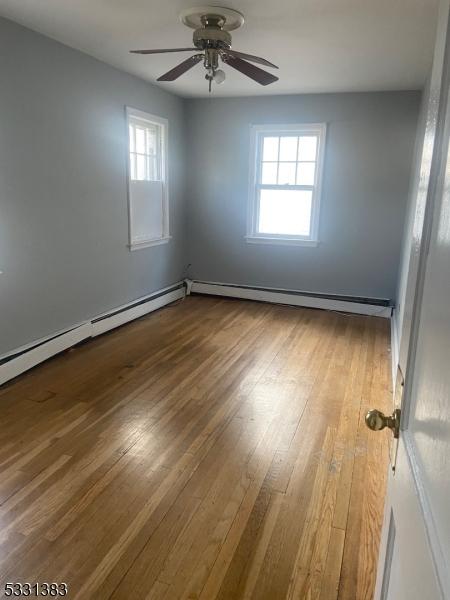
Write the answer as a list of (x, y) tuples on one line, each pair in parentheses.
[(147, 180), (285, 183)]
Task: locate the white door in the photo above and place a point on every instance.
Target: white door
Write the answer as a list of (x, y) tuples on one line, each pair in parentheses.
[(415, 549)]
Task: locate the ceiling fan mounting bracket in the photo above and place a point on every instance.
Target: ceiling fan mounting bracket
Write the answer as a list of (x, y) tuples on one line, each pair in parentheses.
[(226, 19)]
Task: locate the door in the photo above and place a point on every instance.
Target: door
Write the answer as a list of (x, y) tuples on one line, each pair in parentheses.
[(414, 559)]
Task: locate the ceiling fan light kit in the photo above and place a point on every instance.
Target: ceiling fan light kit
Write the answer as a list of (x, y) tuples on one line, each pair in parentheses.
[(212, 43)]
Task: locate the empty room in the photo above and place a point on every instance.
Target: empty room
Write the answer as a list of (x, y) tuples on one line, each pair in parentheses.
[(224, 300)]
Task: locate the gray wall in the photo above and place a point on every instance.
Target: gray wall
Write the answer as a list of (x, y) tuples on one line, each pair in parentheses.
[(63, 203), (370, 143)]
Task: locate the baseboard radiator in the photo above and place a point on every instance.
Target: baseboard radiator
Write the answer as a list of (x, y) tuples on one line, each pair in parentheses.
[(26, 357), (379, 307)]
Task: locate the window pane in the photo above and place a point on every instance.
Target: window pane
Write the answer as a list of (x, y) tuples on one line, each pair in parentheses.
[(152, 175), (133, 166), (286, 173), (131, 134), (307, 147), (288, 148), (140, 167), (152, 140), (140, 140), (270, 148), (305, 173), (269, 173), (285, 212), (157, 168)]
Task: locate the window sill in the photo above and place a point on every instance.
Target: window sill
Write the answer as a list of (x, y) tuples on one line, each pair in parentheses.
[(253, 239), (149, 243)]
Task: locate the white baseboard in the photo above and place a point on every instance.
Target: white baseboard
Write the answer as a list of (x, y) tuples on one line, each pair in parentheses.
[(29, 356), (284, 297)]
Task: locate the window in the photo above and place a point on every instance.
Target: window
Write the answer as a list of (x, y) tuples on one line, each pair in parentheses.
[(147, 180), (285, 183)]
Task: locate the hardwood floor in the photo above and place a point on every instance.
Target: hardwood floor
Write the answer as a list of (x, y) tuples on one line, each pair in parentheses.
[(213, 449)]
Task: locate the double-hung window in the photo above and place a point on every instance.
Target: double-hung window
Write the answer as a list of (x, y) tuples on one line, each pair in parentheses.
[(285, 182), (148, 203)]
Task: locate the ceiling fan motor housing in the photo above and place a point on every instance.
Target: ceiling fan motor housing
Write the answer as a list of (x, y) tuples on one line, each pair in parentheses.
[(211, 37)]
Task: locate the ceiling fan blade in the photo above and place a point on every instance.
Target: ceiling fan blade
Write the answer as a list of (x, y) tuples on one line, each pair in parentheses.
[(250, 57), (161, 51), (255, 73), (181, 68)]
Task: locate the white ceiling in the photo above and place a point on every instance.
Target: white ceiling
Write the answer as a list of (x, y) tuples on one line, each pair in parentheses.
[(319, 45)]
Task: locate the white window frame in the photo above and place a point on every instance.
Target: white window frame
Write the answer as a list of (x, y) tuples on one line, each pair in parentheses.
[(257, 133), (135, 113)]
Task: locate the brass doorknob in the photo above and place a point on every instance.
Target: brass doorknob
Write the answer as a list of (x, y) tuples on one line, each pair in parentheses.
[(376, 420)]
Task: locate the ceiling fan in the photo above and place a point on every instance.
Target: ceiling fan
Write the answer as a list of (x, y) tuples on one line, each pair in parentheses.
[(212, 42)]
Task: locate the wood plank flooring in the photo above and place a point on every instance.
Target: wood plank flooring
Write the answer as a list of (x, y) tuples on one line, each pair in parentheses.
[(213, 449)]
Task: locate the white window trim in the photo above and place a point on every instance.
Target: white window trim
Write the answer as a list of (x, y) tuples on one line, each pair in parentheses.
[(155, 242), (147, 117), (256, 131)]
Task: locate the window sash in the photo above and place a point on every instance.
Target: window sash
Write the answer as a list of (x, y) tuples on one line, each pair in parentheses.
[(257, 210), (278, 161), (155, 129), (297, 134)]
